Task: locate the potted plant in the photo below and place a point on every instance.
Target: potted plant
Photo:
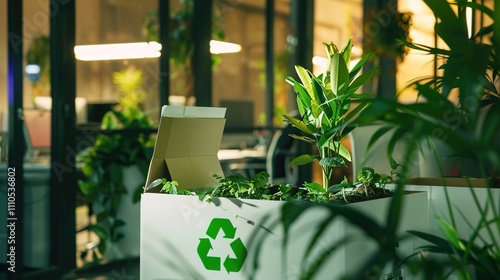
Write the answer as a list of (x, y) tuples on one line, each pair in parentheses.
[(465, 232), (243, 235), (115, 168), (327, 105)]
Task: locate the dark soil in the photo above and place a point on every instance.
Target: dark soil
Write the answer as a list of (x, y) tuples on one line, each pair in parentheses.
[(361, 194)]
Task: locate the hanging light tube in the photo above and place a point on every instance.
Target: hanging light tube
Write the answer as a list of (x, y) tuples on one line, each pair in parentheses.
[(138, 50)]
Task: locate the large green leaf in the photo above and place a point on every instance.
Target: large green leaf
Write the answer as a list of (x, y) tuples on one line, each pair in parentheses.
[(350, 116), (339, 75), (303, 138), (333, 162), (450, 233), (319, 93), (315, 187), (298, 124), (358, 66), (303, 159), (302, 94), (305, 78), (343, 151), (361, 80), (449, 28), (346, 51)]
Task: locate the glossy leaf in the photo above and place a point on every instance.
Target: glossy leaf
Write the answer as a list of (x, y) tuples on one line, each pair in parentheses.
[(315, 187), (333, 162), (298, 124), (450, 233), (303, 159), (339, 75), (305, 78)]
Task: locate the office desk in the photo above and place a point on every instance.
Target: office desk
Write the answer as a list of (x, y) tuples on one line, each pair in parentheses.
[(237, 154), (245, 162)]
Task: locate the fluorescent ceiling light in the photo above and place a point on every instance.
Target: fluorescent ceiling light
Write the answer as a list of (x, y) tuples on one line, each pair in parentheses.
[(139, 50), (218, 47), (117, 51)]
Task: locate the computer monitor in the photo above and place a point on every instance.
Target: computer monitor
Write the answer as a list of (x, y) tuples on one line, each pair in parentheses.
[(96, 111), (37, 123), (239, 113)]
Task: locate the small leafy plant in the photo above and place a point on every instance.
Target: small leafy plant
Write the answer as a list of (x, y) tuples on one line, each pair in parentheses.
[(370, 184)]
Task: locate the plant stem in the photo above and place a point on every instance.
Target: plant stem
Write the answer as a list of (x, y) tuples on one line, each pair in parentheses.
[(327, 170)]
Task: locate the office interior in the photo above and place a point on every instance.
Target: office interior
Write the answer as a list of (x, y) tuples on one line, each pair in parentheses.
[(270, 37)]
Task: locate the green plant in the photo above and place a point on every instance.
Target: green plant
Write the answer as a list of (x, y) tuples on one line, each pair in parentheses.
[(325, 105), (369, 185), (103, 163), (469, 127), (131, 94)]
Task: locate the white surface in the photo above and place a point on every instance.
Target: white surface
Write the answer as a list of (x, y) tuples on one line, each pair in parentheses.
[(192, 112), (376, 156), (129, 246), (465, 211), (45, 102), (233, 154), (171, 228)]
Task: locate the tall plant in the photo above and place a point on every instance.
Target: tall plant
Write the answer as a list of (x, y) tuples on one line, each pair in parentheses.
[(327, 104), (470, 127)]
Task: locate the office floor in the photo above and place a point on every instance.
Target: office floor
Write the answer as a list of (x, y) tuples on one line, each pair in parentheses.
[(127, 269), (120, 270)]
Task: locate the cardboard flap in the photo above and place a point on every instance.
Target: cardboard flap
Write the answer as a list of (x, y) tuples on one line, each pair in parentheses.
[(186, 147), (194, 172), (193, 136)]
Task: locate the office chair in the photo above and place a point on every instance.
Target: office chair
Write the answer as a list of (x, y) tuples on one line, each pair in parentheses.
[(281, 150)]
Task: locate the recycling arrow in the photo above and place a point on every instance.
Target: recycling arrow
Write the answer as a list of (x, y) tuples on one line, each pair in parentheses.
[(237, 246), (210, 263), (235, 264), (218, 224)]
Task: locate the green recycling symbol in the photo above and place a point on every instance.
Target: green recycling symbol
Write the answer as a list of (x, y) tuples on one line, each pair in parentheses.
[(239, 250)]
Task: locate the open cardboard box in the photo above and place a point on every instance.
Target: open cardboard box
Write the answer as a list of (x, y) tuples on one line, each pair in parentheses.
[(186, 147)]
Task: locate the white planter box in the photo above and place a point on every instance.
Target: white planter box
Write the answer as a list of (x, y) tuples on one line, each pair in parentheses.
[(463, 204), (128, 246), (176, 230)]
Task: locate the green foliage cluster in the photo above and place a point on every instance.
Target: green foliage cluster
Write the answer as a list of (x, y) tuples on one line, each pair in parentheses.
[(328, 104), (470, 127), (102, 164), (129, 83), (258, 187)]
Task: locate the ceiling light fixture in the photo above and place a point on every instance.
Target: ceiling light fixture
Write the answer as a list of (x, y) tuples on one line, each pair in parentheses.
[(117, 51), (139, 50)]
